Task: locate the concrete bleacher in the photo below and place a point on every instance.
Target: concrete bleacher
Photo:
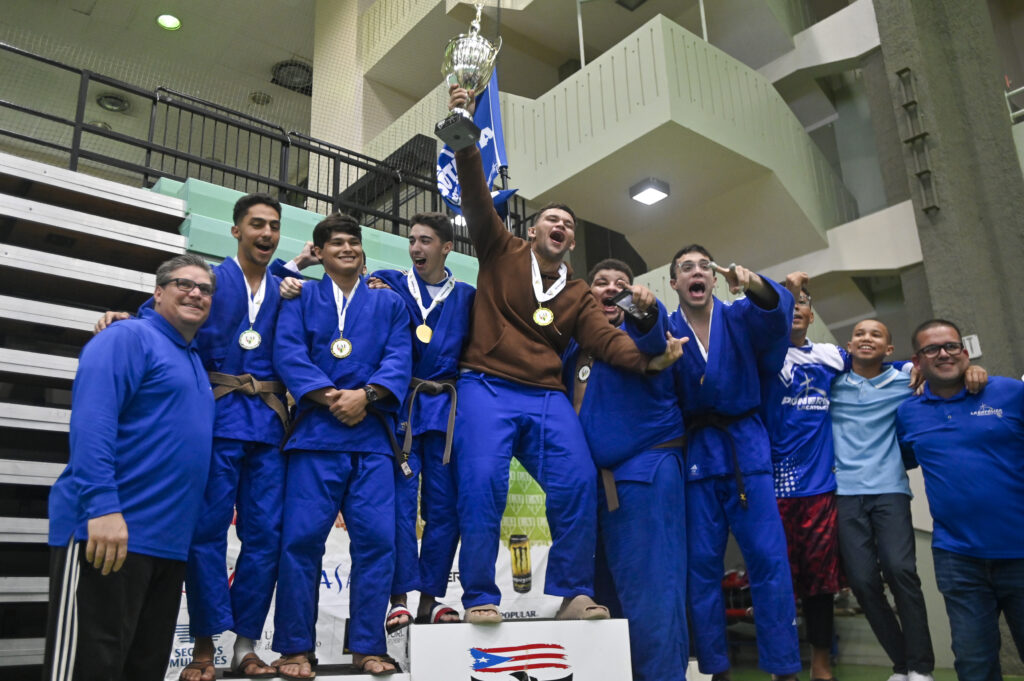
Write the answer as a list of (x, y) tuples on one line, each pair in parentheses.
[(71, 247)]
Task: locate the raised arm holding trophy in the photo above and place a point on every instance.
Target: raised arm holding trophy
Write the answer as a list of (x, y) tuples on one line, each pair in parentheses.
[(468, 62)]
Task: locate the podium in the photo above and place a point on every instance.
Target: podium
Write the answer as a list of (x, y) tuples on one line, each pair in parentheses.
[(545, 650)]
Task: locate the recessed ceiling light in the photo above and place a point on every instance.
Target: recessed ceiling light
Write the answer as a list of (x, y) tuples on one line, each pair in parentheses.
[(260, 98), (111, 101), (168, 22), (649, 191), (293, 74)]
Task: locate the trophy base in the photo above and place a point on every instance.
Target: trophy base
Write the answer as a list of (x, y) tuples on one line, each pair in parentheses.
[(457, 131)]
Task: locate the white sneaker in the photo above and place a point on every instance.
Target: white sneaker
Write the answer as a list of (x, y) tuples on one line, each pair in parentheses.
[(899, 677), (914, 676)]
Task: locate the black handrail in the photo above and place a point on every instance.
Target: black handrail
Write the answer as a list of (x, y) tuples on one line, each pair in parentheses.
[(308, 172)]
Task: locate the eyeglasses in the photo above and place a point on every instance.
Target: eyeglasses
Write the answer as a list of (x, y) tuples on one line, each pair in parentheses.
[(802, 300), (687, 266), (186, 285), (931, 351)]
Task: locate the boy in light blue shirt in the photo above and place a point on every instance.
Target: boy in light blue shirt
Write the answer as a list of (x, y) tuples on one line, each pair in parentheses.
[(873, 502), (873, 499)]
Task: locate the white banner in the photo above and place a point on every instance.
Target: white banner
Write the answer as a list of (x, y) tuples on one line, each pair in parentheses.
[(334, 590)]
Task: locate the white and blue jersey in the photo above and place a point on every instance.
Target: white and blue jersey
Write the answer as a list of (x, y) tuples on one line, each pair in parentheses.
[(971, 451), (795, 407)]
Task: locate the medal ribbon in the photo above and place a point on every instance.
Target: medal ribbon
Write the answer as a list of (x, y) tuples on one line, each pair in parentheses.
[(538, 283), (414, 290), (339, 301), (255, 301)]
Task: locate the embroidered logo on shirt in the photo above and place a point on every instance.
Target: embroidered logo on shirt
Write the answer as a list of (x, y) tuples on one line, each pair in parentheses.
[(985, 410), (809, 399), (694, 469)]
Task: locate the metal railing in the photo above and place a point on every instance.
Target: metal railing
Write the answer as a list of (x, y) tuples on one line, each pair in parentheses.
[(188, 137), (1016, 111)]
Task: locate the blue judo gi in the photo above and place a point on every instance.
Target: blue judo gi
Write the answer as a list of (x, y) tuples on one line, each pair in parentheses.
[(247, 470), (433, 361), (642, 544), (332, 466), (747, 345)]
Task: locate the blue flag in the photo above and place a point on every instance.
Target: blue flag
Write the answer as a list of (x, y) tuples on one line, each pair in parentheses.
[(492, 152)]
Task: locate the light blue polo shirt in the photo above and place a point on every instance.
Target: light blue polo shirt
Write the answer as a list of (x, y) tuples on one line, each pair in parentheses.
[(868, 459)]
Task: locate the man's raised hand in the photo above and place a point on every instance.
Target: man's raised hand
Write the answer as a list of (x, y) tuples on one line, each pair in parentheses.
[(673, 351)]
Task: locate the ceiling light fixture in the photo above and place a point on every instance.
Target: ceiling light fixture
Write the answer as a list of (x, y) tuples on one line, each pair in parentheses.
[(168, 22), (630, 4), (294, 75), (649, 191), (260, 98), (111, 101)]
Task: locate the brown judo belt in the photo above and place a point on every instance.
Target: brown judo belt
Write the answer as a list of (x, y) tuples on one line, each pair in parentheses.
[(437, 387), (247, 385), (583, 367)]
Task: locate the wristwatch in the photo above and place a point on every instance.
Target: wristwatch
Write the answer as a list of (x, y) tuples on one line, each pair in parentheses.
[(371, 394)]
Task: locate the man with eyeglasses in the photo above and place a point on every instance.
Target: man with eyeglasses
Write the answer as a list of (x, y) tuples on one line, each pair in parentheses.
[(123, 510), (971, 450), (728, 455), (248, 470)]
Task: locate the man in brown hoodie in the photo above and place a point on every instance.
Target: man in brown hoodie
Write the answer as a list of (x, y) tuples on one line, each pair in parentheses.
[(512, 401)]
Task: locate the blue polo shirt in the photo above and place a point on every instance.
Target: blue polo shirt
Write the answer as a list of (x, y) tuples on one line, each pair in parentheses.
[(971, 451), (868, 459), (141, 435)]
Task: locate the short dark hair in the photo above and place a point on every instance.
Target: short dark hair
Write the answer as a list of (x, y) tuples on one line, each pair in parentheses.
[(553, 204), (438, 222), (243, 205), (888, 331), (692, 248), (335, 222), (610, 264), (932, 323), (163, 272)]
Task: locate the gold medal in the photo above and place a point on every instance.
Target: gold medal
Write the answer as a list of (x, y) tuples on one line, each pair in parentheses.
[(542, 316), (424, 333), (341, 348), (250, 339)]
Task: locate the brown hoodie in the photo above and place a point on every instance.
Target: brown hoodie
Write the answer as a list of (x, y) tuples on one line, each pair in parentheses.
[(504, 341)]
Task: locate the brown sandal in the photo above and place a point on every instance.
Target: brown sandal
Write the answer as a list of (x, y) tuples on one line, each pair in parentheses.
[(363, 661)]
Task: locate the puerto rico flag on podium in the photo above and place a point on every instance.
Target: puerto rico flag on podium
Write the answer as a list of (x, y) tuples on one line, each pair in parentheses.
[(528, 662), (492, 151)]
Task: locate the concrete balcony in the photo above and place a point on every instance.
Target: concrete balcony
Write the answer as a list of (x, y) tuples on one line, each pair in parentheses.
[(746, 180)]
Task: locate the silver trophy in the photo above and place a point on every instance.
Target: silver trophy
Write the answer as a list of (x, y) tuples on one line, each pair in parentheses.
[(468, 62)]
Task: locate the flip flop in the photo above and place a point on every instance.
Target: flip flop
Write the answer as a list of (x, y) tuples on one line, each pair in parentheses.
[(201, 665), (436, 613), (483, 614), (249, 660), (583, 607), (393, 621), (301, 660), (384, 659)]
